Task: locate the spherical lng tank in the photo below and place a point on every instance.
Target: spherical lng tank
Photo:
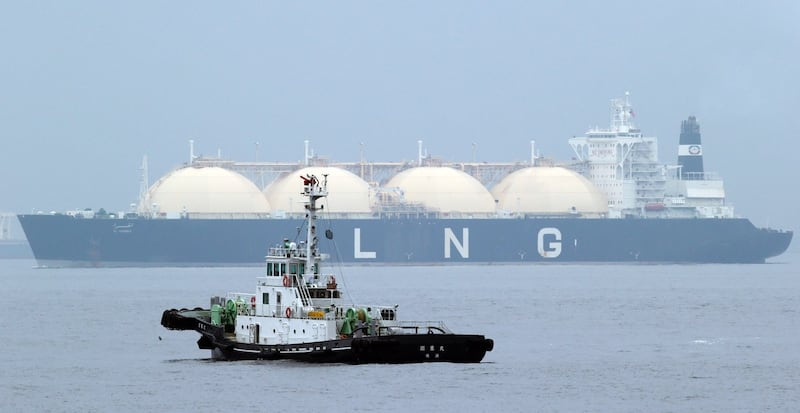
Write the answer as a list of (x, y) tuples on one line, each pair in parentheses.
[(443, 189), (205, 190), (548, 191)]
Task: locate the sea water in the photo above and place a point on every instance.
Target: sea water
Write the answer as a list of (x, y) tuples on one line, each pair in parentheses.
[(572, 338)]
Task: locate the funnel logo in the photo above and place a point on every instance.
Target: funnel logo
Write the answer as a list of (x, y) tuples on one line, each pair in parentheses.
[(549, 242), (690, 150)]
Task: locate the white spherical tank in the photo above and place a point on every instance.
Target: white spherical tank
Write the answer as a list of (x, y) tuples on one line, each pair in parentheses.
[(443, 189), (548, 191), (207, 190)]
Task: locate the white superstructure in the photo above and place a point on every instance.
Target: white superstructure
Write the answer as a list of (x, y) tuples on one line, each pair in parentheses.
[(294, 302), (623, 164)]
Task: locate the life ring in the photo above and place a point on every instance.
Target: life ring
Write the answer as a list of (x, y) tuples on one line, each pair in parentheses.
[(288, 312), (253, 301), (286, 281)]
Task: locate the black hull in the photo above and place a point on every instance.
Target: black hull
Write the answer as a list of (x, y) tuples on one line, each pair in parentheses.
[(394, 349), (421, 348)]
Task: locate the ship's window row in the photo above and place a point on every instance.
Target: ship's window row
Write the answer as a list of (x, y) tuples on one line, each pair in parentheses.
[(279, 269), (275, 268)]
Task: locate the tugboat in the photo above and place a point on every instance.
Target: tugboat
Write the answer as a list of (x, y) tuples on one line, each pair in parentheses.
[(299, 313)]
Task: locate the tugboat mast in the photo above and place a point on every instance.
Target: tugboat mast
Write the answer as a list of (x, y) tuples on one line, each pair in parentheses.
[(314, 190)]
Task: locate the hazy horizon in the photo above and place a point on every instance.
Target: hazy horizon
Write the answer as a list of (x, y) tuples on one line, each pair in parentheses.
[(90, 87)]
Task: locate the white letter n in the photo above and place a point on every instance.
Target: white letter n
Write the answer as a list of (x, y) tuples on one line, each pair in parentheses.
[(450, 238)]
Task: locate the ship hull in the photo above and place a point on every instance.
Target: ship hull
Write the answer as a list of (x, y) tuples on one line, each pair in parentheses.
[(390, 349), (416, 348), (67, 241)]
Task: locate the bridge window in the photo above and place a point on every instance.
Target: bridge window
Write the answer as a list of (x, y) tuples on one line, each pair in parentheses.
[(387, 314), (265, 298), (283, 269), (293, 268)]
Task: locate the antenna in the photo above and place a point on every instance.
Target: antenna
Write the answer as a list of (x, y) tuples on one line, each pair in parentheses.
[(474, 148), (5, 233), (144, 184), (191, 151), (361, 158), (622, 114), (314, 190)]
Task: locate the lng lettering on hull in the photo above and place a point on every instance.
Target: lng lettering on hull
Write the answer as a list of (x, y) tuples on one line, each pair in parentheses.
[(64, 241), (548, 244)]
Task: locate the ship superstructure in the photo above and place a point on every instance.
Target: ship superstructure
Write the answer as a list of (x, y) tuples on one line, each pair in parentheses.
[(623, 163)]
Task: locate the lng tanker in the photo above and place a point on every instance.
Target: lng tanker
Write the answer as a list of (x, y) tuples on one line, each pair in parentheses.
[(614, 203)]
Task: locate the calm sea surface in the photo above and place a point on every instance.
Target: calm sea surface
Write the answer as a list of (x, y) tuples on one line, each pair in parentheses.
[(610, 338)]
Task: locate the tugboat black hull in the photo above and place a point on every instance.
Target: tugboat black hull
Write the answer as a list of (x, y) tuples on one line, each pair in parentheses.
[(421, 348), (394, 348)]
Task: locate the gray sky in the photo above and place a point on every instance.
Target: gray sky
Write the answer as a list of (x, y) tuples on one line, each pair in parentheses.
[(89, 87)]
